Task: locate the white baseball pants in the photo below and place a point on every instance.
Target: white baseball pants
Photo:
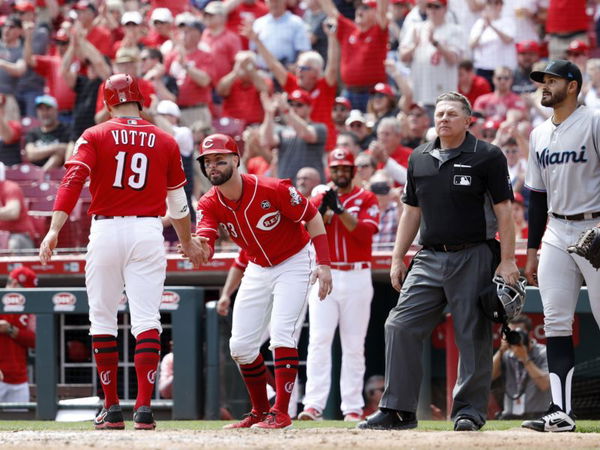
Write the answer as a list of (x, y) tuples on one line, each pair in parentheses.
[(14, 393), (125, 252), (349, 306)]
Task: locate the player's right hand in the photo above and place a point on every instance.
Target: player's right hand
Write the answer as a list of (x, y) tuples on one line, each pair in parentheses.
[(47, 246), (223, 306), (323, 274), (196, 250), (398, 274), (531, 267)]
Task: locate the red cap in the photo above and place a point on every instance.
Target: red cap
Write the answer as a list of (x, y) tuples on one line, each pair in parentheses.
[(343, 101), (519, 198), (385, 89), (82, 5), (420, 106), (443, 2), (24, 276), (370, 3), (300, 95), (578, 47), (491, 124), (24, 6), (528, 47), (340, 157), (218, 143), (61, 35), (122, 88)]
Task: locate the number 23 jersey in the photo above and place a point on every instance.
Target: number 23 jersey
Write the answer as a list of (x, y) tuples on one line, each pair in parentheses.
[(131, 163)]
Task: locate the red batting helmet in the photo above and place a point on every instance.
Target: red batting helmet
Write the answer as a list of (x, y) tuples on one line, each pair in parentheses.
[(122, 88), (217, 143), (341, 157)]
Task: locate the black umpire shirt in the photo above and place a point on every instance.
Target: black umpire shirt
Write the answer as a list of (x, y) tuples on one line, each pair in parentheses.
[(456, 195)]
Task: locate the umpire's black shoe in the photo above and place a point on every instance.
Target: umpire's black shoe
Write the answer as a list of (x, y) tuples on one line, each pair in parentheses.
[(389, 419), (143, 419), (110, 419), (465, 423)]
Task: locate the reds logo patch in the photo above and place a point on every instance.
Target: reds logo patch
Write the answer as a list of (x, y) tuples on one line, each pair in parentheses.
[(105, 377), (151, 376), (269, 221), (289, 387), (208, 143), (295, 197)]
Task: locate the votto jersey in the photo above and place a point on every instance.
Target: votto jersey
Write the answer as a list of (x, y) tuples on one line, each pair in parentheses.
[(352, 246), (13, 357), (265, 221), (131, 164)]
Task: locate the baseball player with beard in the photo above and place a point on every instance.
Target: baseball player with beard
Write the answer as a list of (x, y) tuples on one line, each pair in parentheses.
[(564, 178), (133, 167), (351, 216), (264, 217)]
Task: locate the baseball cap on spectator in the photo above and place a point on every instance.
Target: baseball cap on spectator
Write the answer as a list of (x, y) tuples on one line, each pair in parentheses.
[(168, 107), (184, 18), (127, 55), (131, 17), (356, 116), (61, 35), (528, 46), (369, 3), (519, 198), (47, 100), (161, 15), (383, 88), (343, 101), (24, 276), (419, 106), (491, 124), (215, 8), (559, 68), (113, 5), (577, 47), (300, 95), (82, 5), (24, 6)]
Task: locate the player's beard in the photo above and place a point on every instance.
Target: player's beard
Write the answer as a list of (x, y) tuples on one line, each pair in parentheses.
[(553, 99), (342, 182), (221, 177)]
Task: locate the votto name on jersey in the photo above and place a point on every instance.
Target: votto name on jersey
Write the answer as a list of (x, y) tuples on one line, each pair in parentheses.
[(548, 158)]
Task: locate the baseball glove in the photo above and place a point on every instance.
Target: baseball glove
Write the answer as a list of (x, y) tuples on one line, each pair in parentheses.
[(332, 201), (588, 246)]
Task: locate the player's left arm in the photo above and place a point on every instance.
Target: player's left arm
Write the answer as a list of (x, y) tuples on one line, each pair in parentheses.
[(316, 230)]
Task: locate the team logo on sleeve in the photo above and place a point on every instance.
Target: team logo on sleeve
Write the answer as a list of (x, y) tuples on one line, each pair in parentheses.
[(295, 197), (77, 144), (265, 204)]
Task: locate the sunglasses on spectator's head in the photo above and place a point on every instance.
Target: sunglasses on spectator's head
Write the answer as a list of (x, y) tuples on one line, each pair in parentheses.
[(295, 104), (434, 6)]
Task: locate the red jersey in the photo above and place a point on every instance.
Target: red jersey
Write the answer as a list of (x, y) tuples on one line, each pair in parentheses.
[(567, 16), (190, 92), (479, 87), (352, 246), (495, 107), (13, 357), (223, 47), (265, 221), (154, 39), (243, 102), (241, 262), (363, 53), (245, 11), (146, 88), (131, 164), (323, 98), (9, 190), (49, 67), (102, 39)]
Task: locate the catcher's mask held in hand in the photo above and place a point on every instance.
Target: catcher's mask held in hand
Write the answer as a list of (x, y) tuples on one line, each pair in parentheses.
[(502, 302)]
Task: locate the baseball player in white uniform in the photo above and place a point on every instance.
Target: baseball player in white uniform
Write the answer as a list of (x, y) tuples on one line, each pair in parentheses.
[(564, 178)]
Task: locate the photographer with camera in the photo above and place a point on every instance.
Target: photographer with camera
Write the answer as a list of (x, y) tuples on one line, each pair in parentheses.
[(522, 363)]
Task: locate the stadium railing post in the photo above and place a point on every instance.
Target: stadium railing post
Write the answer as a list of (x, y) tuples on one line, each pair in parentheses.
[(46, 358), (212, 386)]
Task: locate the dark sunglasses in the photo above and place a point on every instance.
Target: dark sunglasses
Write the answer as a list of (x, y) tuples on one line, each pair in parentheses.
[(340, 108), (357, 125), (502, 78), (159, 22), (304, 68), (363, 166), (295, 104), (434, 6), (508, 152), (371, 392)]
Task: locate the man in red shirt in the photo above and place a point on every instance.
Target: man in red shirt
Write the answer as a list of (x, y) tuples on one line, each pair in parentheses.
[(309, 76), (98, 36), (496, 105), (351, 216), (363, 48), (388, 151), (17, 334), (14, 217), (567, 20), (243, 11), (470, 85), (260, 214), (161, 22), (133, 167)]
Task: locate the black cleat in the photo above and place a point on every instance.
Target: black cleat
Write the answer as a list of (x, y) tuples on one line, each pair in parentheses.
[(389, 419), (466, 424), (143, 419), (110, 419)]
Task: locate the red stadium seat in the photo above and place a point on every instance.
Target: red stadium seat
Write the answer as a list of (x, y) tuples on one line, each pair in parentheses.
[(229, 126), (56, 174), (37, 190), (23, 173)]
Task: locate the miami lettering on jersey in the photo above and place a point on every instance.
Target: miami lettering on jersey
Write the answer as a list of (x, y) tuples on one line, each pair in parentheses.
[(546, 158)]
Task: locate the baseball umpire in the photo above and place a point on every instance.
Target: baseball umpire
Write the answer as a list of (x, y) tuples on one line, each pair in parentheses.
[(133, 167), (263, 216), (563, 175), (464, 181)]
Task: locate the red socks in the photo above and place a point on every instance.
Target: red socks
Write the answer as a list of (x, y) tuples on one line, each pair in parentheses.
[(255, 377), (286, 368), (106, 355), (147, 357)]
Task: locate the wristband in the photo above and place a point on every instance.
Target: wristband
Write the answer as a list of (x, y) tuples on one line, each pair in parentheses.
[(322, 249)]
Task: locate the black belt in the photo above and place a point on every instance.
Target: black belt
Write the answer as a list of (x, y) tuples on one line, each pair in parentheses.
[(101, 217), (197, 105), (582, 216), (451, 247)]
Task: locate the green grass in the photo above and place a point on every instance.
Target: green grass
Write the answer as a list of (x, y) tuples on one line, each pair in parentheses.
[(583, 426)]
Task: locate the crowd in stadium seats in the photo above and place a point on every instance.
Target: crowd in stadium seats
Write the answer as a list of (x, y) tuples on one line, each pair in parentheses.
[(360, 74)]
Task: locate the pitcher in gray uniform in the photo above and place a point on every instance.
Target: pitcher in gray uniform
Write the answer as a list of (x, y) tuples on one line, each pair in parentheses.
[(458, 194), (563, 176)]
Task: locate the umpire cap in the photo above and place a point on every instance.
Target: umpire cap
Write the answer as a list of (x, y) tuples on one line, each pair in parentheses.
[(559, 68)]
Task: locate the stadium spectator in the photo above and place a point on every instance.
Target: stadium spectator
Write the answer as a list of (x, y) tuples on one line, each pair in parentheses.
[(314, 18), (310, 75), (161, 25), (133, 32), (523, 365), (14, 217), (154, 71), (363, 44), (592, 96), (492, 41), (416, 15), (300, 141), (366, 166), (566, 20), (339, 114), (166, 374), (374, 388), (243, 11), (109, 17), (99, 36), (489, 130), (241, 89), (528, 53), (17, 335), (476, 125), (10, 135), (46, 145), (257, 159), (498, 103), (471, 85), (357, 124), (283, 33), (382, 103), (349, 140), (578, 53), (307, 179), (526, 15), (518, 215), (193, 70), (48, 66), (389, 152), (389, 208), (517, 164), (398, 10), (433, 49), (417, 125), (223, 43), (12, 64)]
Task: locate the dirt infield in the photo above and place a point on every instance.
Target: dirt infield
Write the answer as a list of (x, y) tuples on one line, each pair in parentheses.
[(321, 438)]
